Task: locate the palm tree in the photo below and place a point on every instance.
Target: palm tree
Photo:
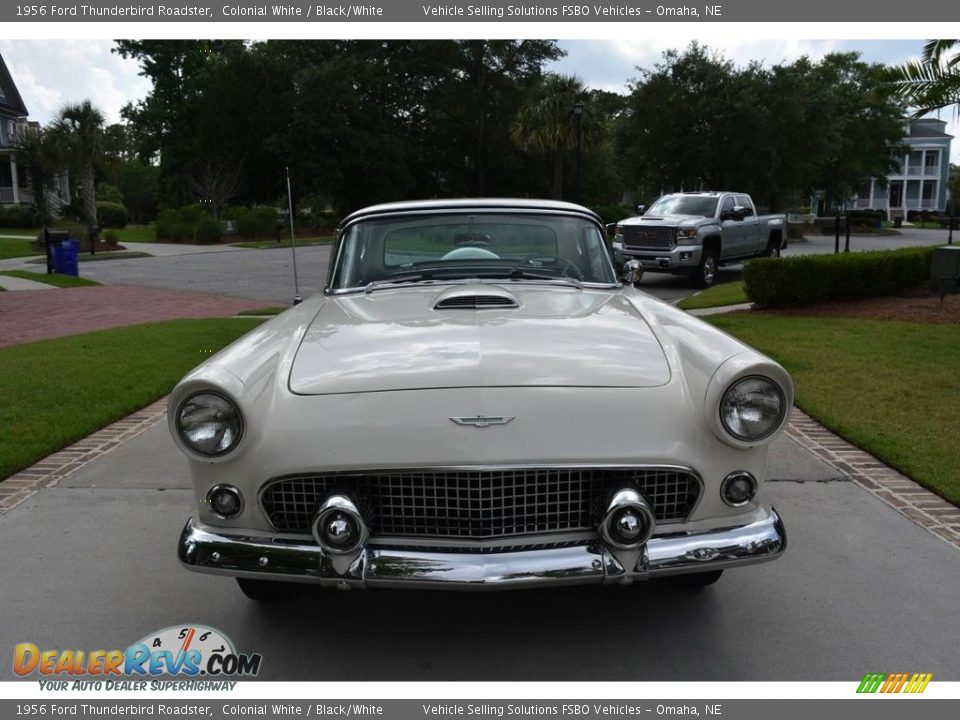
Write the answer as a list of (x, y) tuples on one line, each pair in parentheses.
[(79, 129), (38, 154), (549, 123), (933, 82)]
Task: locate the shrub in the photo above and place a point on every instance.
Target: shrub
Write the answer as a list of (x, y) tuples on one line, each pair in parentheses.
[(257, 221), (19, 216), (111, 215), (612, 213), (109, 193), (169, 226), (866, 218), (206, 231), (111, 237), (796, 281)]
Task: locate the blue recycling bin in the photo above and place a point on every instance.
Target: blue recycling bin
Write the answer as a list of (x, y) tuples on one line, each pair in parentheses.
[(66, 257)]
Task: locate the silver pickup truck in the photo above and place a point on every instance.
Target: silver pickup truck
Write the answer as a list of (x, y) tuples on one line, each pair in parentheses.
[(696, 232)]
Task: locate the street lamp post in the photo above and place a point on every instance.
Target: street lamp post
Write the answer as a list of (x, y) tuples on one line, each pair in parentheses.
[(578, 118)]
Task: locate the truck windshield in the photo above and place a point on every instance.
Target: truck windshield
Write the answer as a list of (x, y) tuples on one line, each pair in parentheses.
[(464, 245), (684, 205)]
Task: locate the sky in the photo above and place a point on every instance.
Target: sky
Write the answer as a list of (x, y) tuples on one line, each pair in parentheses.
[(50, 74)]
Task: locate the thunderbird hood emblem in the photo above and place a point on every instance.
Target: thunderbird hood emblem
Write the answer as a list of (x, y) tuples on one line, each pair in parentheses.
[(482, 421)]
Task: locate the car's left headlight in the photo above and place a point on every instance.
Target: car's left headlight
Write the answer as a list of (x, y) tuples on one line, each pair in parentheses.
[(209, 424), (752, 408)]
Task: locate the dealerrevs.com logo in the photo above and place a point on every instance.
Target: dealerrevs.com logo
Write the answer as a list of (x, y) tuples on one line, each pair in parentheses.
[(178, 651)]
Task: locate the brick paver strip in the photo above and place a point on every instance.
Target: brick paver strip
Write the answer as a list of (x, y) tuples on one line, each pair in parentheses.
[(926, 509), (911, 500), (44, 314), (54, 468)]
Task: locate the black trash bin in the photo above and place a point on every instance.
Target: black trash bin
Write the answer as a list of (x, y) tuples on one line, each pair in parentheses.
[(898, 222)]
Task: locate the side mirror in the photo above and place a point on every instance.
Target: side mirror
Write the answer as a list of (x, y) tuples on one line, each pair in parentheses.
[(641, 209), (632, 272)]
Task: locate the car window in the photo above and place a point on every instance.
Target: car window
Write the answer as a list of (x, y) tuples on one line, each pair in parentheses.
[(463, 245), (727, 205), (744, 201), (698, 205)]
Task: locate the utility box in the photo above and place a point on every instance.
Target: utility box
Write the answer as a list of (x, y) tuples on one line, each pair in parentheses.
[(945, 270)]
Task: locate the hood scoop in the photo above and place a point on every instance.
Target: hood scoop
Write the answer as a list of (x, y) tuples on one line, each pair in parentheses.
[(475, 299)]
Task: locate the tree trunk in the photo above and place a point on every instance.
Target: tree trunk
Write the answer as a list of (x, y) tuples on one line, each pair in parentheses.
[(89, 194), (558, 174)]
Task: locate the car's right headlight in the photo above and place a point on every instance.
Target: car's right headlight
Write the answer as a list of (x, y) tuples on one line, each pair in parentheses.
[(209, 424), (752, 408)]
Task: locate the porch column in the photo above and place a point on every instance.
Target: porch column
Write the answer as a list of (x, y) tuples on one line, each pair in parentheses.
[(14, 180), (870, 204)]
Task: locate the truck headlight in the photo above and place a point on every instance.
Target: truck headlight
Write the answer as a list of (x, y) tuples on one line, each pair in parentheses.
[(686, 233), (209, 424), (752, 408)]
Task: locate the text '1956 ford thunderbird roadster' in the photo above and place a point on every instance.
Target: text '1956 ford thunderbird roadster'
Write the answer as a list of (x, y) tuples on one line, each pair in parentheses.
[(476, 400)]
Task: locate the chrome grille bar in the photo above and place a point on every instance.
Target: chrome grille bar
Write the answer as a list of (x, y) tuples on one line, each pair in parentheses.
[(654, 237), (479, 503)]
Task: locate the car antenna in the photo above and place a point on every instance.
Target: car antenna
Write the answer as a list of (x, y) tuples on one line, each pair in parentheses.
[(297, 298)]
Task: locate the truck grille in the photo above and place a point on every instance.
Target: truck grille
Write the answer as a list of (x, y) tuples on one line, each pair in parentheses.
[(478, 504), (642, 236)]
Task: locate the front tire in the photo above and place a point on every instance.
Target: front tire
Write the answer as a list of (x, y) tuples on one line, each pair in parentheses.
[(706, 273), (697, 580), (267, 590), (773, 248)]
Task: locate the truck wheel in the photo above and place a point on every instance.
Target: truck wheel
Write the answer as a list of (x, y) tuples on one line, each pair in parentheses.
[(706, 272), (773, 248), (267, 590), (695, 580)]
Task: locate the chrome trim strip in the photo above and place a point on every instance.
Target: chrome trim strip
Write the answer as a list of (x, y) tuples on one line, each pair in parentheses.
[(491, 468), (206, 549)]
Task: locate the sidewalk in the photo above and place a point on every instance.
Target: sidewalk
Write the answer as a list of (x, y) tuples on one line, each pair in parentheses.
[(45, 314), (15, 283)]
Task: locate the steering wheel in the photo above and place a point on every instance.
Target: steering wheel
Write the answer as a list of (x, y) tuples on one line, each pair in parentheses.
[(470, 253), (568, 267)]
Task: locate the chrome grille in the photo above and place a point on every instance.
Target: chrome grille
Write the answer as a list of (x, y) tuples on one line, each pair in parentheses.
[(478, 503), (643, 236)]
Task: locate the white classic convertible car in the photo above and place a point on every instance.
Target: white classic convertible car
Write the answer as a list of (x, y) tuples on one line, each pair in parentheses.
[(477, 401)]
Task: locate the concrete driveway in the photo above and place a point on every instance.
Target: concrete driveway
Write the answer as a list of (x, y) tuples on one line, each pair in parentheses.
[(91, 563)]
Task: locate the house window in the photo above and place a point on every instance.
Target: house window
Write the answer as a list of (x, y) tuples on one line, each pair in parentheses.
[(931, 162)]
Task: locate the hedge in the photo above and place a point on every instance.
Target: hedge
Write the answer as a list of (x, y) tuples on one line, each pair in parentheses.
[(207, 231), (808, 279), (19, 216), (257, 221)]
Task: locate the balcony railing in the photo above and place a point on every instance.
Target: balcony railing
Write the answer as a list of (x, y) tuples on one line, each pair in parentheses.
[(6, 195)]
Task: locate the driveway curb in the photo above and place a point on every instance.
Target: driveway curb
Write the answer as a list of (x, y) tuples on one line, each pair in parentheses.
[(926, 509), (54, 468), (911, 500)]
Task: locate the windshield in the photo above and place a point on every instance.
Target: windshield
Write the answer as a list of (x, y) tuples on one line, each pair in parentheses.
[(684, 205), (462, 245)]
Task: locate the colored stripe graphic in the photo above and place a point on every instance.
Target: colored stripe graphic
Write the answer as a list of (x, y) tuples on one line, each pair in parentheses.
[(894, 683)]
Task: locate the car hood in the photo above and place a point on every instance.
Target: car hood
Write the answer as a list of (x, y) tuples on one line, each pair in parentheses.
[(397, 339), (665, 220)]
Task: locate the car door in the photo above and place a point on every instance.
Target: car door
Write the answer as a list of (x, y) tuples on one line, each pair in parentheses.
[(731, 229), (753, 242)]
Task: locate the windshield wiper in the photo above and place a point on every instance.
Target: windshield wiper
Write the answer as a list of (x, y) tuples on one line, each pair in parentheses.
[(521, 274), (399, 280)]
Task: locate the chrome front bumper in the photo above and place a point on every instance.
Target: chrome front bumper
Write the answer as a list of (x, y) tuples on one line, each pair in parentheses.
[(680, 258), (208, 549)]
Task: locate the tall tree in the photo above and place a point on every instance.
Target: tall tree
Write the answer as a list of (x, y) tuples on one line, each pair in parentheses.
[(79, 131), (559, 117), (38, 154)]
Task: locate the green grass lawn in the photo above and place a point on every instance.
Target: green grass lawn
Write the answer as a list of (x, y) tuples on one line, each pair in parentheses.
[(56, 392), (60, 281), (134, 234), (264, 311), (892, 388), (15, 248), (284, 243), (717, 296)]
